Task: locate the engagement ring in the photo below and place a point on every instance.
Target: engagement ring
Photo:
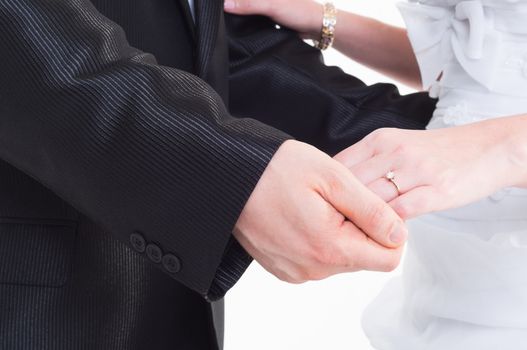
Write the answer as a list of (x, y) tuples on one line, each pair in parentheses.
[(390, 176)]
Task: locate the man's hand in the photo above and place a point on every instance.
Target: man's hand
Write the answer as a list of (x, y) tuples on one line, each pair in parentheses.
[(309, 218)]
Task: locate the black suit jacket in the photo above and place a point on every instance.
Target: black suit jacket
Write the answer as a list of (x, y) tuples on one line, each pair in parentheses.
[(125, 161)]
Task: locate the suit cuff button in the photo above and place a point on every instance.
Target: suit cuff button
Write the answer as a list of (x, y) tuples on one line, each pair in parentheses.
[(171, 263), (154, 253), (138, 242)]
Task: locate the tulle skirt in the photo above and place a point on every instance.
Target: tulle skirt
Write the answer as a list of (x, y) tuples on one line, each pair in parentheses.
[(464, 283)]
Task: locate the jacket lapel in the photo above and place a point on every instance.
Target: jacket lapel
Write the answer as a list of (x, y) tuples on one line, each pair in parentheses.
[(208, 13)]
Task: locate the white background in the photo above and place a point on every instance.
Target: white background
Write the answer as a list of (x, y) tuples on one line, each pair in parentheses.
[(266, 314)]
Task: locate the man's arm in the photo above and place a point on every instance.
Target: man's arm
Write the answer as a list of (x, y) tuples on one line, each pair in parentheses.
[(134, 146), (281, 81), (138, 147)]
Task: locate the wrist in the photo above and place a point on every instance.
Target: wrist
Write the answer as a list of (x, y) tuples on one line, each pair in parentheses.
[(515, 149), (329, 22), (502, 147), (314, 24)]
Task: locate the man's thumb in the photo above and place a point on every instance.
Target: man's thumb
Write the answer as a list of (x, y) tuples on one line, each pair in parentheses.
[(367, 211)]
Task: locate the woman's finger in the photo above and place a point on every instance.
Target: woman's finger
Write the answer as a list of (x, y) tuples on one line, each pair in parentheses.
[(375, 168), (355, 154), (384, 189), (419, 201), (403, 181), (366, 211), (247, 7), (380, 141)]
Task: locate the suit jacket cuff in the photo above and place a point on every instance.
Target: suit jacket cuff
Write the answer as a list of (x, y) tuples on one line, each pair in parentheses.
[(234, 264)]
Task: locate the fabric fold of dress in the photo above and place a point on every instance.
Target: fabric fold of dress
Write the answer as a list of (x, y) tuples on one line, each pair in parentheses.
[(464, 284)]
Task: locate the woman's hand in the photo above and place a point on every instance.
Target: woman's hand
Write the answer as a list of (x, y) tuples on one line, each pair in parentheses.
[(441, 169), (303, 16)]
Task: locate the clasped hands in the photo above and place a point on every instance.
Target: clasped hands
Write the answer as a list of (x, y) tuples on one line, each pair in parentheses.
[(311, 216)]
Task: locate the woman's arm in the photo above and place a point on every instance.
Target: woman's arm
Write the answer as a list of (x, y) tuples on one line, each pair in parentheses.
[(380, 46), (444, 168)]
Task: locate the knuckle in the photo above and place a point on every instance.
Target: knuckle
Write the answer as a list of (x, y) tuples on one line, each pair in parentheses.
[(301, 276), (297, 281), (283, 278), (334, 184), (296, 274), (381, 135), (376, 134), (316, 275), (281, 275), (374, 138), (295, 277), (403, 150), (325, 254)]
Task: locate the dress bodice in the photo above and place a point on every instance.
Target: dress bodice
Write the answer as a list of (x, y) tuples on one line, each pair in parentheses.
[(467, 50)]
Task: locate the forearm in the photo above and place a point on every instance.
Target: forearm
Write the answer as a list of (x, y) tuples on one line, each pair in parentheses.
[(377, 45), (380, 46), (501, 146), (509, 136), (132, 145)]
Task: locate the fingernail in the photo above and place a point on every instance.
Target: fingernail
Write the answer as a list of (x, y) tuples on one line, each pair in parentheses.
[(229, 4), (399, 235)]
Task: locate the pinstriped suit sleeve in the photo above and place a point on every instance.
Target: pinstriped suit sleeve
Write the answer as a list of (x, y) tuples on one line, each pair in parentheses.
[(300, 95), (132, 145)]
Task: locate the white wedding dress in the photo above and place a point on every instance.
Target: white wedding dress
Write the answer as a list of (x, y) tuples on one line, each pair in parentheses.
[(464, 283)]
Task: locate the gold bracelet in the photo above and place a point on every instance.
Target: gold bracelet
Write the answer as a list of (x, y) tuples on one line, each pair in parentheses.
[(327, 36)]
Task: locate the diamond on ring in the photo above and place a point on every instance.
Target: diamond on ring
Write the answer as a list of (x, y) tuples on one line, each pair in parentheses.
[(390, 176)]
